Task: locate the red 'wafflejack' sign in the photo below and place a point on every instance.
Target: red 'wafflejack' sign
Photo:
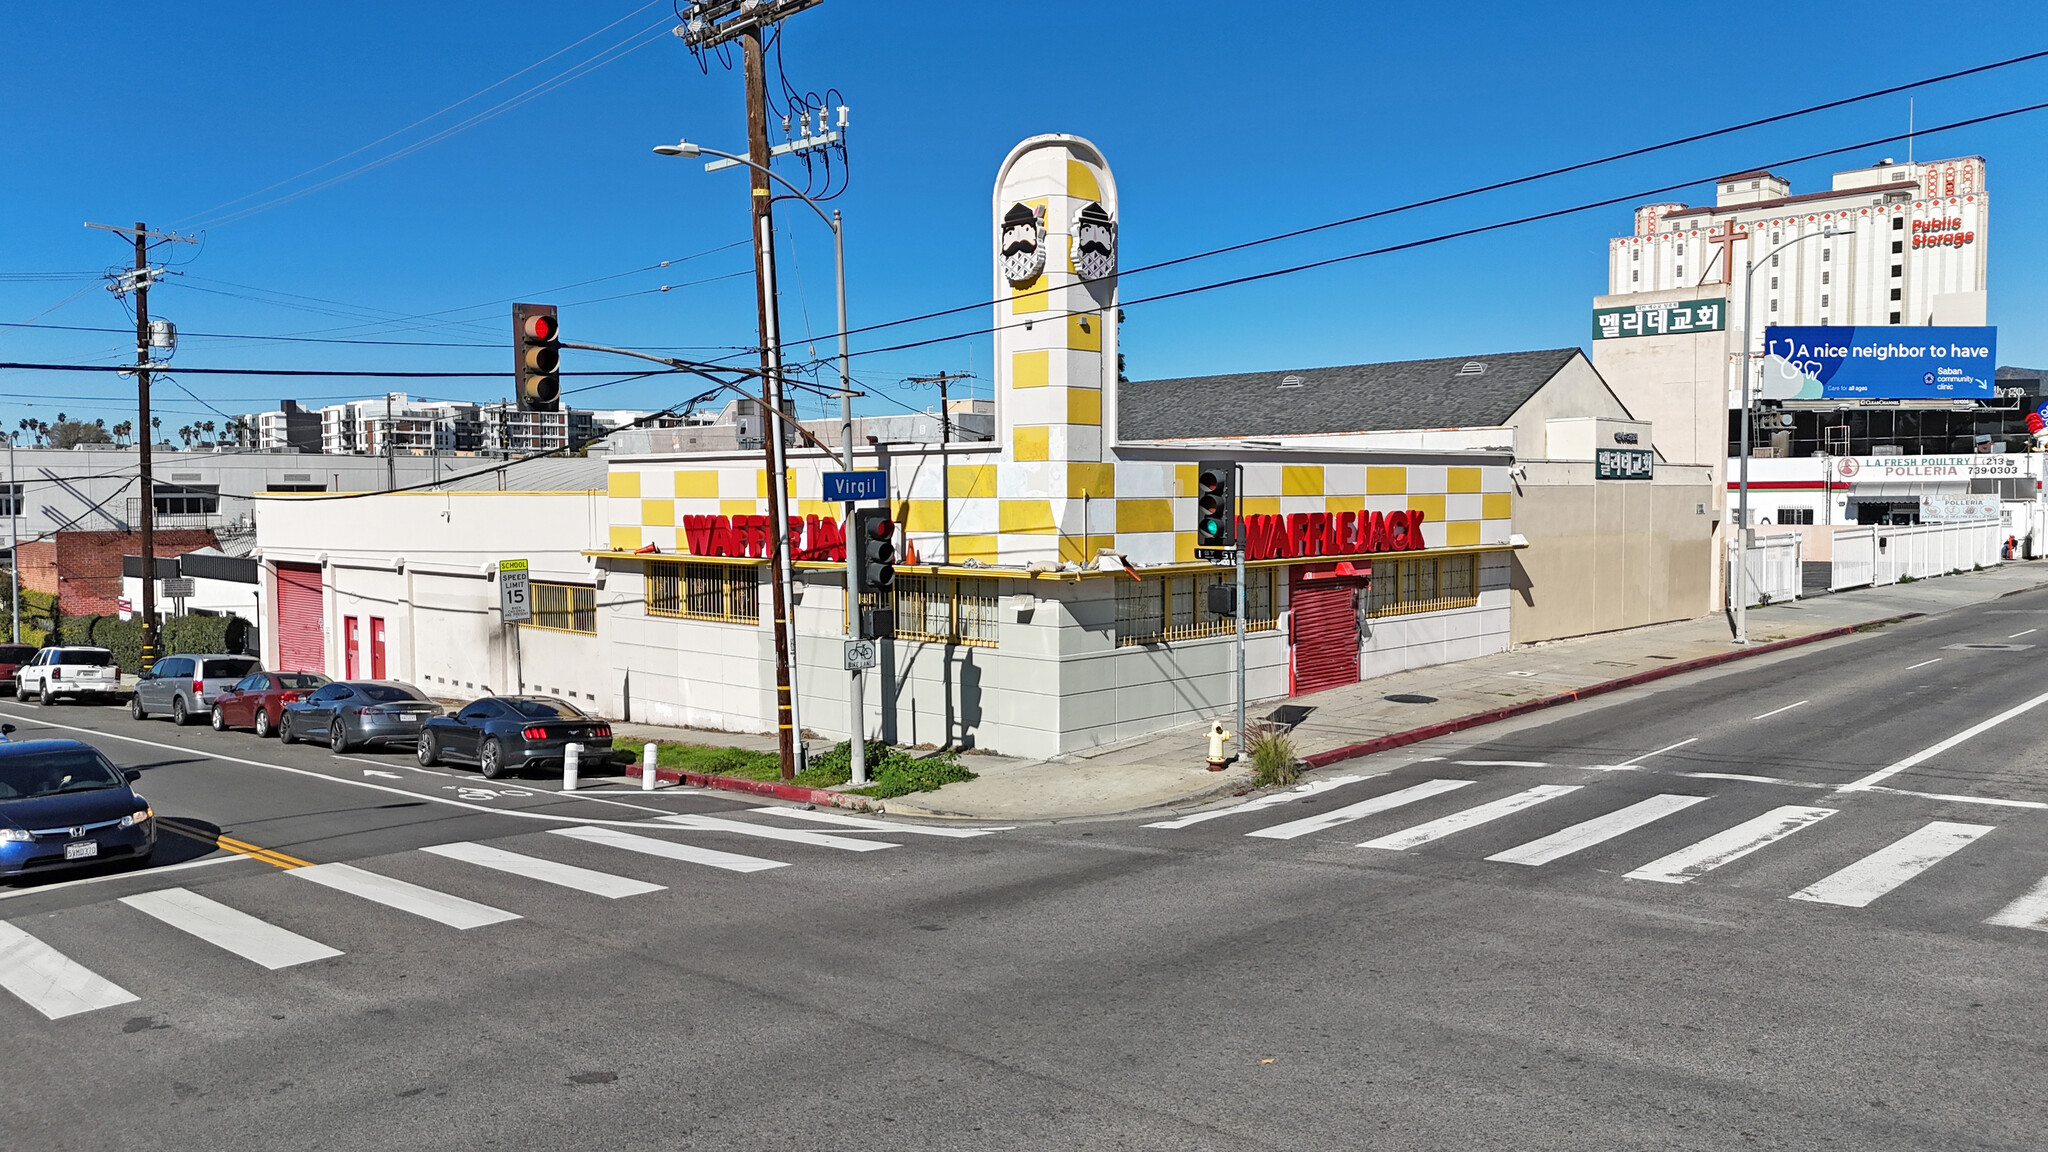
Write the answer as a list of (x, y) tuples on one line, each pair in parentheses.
[(1329, 534), (811, 537)]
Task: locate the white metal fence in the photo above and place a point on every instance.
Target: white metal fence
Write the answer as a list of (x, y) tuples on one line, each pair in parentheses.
[(1774, 572), (1880, 555)]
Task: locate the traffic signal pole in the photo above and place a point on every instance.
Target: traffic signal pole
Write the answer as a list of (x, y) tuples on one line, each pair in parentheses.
[(1238, 488), (856, 707), (786, 734)]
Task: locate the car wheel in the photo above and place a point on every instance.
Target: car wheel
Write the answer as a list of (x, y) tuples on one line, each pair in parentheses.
[(337, 736), (285, 735), (136, 709), (491, 760), (218, 719), (178, 714), (46, 697), (428, 752), (262, 724)]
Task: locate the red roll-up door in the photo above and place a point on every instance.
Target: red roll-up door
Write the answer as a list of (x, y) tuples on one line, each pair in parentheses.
[(301, 635), (1323, 639)]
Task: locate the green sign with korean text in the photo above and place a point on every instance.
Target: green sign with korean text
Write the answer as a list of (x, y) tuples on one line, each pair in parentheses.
[(1623, 463), (1674, 317)]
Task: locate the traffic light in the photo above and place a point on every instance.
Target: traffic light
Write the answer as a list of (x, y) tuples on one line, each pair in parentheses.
[(537, 357), (1216, 504), (875, 561)]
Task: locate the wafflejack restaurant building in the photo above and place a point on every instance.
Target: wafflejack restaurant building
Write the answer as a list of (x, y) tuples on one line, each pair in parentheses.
[(1050, 600)]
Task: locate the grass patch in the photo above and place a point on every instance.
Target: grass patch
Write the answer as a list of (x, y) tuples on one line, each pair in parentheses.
[(1273, 759), (894, 771)]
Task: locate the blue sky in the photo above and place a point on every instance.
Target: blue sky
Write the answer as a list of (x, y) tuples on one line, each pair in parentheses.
[(1222, 122)]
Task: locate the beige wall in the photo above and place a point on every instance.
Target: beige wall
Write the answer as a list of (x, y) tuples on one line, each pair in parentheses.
[(1609, 554), (1576, 391)]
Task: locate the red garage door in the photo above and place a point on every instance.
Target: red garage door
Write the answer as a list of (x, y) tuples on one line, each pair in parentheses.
[(1323, 639), (301, 637)]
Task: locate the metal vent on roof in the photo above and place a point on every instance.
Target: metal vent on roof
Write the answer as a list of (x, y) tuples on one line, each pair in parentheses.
[(187, 476), (1472, 368), (301, 477), (1291, 381)]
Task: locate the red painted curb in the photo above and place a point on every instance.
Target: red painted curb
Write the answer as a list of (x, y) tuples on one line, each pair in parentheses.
[(1446, 727), (793, 792)]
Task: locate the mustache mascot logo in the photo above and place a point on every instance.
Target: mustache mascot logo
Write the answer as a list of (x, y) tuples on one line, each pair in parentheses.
[(1023, 243), (1094, 242)]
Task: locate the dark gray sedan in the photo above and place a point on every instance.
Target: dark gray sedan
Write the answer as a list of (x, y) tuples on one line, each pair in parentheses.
[(355, 713), (503, 733)]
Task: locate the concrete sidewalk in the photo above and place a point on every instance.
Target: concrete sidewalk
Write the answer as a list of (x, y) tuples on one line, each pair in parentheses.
[(1167, 768)]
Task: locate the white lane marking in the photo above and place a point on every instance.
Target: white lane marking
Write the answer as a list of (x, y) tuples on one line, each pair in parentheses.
[(1408, 838), (1608, 767), (257, 941), (1923, 664), (1775, 711), (224, 858), (440, 907), (1934, 750), (1893, 865), (1297, 792), (1753, 779), (410, 795), (1363, 808), (1663, 750), (820, 816), (766, 832), (1956, 799), (2029, 911), (669, 850), (51, 982), (2028, 632), (1501, 764), (1598, 830), (1697, 860), (546, 871)]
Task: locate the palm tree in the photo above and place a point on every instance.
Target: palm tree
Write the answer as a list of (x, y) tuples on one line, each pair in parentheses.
[(185, 434), (156, 424)]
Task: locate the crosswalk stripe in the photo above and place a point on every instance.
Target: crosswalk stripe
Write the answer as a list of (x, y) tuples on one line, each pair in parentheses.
[(2029, 911), (440, 907), (257, 941), (669, 850), (1420, 834), (1363, 808), (1298, 792), (820, 816), (1598, 830), (1697, 860), (768, 832), (51, 982), (546, 871), (1893, 865)]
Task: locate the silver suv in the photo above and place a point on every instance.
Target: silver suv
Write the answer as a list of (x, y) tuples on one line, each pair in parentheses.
[(78, 672), (186, 686)]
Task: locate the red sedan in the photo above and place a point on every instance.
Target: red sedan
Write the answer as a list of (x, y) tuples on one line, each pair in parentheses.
[(257, 699), (12, 657)]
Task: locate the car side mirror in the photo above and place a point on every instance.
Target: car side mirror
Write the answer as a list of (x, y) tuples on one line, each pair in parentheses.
[(131, 774)]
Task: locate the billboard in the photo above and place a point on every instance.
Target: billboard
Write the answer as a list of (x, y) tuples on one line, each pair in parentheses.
[(1889, 362)]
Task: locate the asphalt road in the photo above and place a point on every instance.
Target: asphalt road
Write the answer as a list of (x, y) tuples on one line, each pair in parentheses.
[(1738, 909)]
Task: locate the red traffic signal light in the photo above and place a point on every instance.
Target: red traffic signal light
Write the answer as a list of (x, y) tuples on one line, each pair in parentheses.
[(537, 357), (874, 557)]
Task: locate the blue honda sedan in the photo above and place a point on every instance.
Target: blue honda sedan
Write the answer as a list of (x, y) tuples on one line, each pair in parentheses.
[(64, 805)]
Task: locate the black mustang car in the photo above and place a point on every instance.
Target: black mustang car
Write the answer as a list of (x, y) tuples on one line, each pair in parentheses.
[(501, 733)]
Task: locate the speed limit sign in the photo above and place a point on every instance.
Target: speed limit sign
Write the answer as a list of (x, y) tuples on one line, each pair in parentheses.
[(515, 599)]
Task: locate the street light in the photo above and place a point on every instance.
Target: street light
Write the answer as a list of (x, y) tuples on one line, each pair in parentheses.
[(1742, 529), (857, 725)]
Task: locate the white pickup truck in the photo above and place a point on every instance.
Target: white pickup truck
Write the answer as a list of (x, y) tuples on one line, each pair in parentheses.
[(78, 672)]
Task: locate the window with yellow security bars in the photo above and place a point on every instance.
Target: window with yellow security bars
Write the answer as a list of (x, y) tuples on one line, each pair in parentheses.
[(963, 610), (564, 607), (1162, 609), (1423, 584), (725, 592)]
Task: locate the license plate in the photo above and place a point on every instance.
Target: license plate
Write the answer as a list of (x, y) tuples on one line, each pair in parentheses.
[(81, 849), (410, 716)]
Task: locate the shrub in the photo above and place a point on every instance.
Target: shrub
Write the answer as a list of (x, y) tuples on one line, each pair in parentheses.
[(1272, 756), (121, 637), (205, 634), (76, 630)]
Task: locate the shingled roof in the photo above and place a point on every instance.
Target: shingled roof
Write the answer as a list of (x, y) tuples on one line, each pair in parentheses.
[(1458, 392)]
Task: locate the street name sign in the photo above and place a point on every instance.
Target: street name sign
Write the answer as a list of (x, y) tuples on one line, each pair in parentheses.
[(176, 587), (515, 597), (841, 487)]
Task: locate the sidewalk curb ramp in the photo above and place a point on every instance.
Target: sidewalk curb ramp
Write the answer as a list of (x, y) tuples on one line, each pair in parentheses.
[(1479, 719)]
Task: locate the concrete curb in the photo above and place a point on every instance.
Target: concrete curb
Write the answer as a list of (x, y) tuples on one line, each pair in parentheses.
[(792, 792), (1230, 786), (1478, 719)]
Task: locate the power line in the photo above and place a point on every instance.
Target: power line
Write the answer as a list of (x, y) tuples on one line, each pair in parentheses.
[(1459, 233), (284, 371)]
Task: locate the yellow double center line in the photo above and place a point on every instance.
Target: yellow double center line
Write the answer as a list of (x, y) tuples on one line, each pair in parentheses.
[(268, 855)]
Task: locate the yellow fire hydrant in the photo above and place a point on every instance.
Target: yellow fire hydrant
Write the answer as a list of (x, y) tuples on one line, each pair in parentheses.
[(1218, 737)]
